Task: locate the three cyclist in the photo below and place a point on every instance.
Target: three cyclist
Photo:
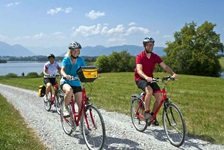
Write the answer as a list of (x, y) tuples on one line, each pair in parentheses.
[(51, 67), (145, 64), (69, 66)]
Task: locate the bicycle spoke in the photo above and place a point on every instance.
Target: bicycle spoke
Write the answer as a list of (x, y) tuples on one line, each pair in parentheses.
[(47, 104), (137, 115), (93, 128), (174, 125), (65, 121)]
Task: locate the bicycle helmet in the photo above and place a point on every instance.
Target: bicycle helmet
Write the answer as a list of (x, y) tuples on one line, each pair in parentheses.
[(50, 55), (74, 44), (148, 39)]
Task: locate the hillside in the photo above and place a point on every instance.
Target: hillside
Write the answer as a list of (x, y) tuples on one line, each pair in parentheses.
[(14, 50), (96, 50), (132, 49), (18, 50)]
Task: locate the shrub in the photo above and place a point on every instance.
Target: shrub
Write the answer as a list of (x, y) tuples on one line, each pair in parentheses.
[(12, 75), (32, 75), (41, 74)]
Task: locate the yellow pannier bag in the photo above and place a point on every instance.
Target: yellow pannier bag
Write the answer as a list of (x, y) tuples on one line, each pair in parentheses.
[(87, 73), (41, 90)]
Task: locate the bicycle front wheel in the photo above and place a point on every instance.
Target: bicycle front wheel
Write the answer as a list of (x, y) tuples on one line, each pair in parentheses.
[(137, 115), (47, 103), (174, 124), (93, 128), (65, 121)]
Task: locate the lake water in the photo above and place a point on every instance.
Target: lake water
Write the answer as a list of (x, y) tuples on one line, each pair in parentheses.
[(18, 67)]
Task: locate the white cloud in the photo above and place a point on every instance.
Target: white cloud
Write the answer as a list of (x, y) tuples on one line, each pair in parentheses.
[(67, 10), (87, 30), (94, 15), (59, 9), (117, 30), (39, 36), (132, 30), (12, 4), (99, 29), (2, 37), (132, 24)]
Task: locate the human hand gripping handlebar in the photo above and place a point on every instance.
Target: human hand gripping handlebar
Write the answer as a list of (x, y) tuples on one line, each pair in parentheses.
[(71, 78), (163, 79)]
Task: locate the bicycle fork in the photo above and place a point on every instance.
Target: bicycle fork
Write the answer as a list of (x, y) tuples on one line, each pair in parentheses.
[(170, 117)]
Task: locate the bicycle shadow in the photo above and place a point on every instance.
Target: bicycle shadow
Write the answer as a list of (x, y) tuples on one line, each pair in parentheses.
[(190, 142), (113, 143)]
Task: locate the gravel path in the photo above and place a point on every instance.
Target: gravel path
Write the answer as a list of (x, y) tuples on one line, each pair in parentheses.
[(119, 130)]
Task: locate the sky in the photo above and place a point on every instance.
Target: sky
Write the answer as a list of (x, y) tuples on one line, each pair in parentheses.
[(49, 23)]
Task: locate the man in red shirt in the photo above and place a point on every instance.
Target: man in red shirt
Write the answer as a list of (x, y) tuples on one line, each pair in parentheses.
[(145, 64)]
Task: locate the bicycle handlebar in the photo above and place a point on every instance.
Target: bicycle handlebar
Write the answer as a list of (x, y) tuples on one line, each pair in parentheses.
[(72, 78), (163, 79)]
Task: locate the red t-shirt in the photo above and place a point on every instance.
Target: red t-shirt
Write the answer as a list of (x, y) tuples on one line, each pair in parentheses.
[(148, 64)]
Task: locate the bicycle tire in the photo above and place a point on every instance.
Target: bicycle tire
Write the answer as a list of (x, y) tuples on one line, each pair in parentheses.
[(65, 121), (137, 115), (174, 124), (47, 104), (93, 128), (58, 101)]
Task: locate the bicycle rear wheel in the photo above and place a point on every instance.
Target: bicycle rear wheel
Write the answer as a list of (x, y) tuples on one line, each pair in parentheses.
[(137, 115), (47, 104), (93, 128), (65, 121), (174, 124)]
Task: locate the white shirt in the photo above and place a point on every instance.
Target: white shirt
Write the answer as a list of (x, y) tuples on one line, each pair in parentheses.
[(51, 69)]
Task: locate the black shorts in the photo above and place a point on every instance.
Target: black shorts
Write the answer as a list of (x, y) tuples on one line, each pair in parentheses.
[(142, 84), (51, 80), (75, 89)]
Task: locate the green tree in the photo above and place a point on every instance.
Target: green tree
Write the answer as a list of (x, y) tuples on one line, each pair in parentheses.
[(102, 62), (116, 62), (195, 50)]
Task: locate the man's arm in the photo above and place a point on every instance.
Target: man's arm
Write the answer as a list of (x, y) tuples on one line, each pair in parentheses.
[(168, 69)]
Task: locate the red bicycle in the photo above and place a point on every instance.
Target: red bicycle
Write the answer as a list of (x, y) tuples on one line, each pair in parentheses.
[(172, 118), (92, 124), (53, 98)]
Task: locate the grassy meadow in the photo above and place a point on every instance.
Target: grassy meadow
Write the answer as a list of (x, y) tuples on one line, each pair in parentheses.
[(14, 132), (199, 98)]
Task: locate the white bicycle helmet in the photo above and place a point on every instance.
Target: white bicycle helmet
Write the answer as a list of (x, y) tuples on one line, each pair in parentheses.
[(148, 39), (74, 44)]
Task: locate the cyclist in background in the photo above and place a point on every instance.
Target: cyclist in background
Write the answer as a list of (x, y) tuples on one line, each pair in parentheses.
[(69, 66), (145, 64), (50, 70)]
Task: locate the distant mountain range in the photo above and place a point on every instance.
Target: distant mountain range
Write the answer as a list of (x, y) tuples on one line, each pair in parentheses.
[(132, 49), (14, 50), (18, 50)]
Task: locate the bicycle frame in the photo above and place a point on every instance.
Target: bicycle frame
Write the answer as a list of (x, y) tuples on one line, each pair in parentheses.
[(164, 97), (77, 116)]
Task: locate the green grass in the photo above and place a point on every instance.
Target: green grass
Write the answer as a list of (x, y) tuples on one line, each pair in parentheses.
[(199, 98), (14, 132)]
